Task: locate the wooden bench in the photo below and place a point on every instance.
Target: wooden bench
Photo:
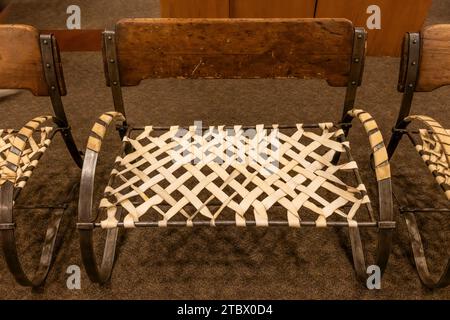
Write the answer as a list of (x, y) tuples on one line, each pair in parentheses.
[(174, 176), (425, 66)]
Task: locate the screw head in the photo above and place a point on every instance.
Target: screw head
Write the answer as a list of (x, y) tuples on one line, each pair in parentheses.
[(53, 88), (356, 60), (47, 65), (410, 85), (45, 41), (359, 36), (109, 38), (415, 41), (115, 83), (413, 63), (111, 60), (354, 83)]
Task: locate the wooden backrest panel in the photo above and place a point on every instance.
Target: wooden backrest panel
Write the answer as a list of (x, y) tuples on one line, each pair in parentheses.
[(434, 71), (21, 60), (234, 48)]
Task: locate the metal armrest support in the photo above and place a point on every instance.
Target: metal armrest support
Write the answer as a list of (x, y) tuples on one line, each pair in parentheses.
[(85, 218), (383, 175)]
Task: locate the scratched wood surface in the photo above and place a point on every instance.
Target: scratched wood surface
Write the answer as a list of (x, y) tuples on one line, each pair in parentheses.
[(20, 59), (234, 48), (434, 69)]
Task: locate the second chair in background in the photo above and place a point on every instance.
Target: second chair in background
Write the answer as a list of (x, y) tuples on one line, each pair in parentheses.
[(425, 66)]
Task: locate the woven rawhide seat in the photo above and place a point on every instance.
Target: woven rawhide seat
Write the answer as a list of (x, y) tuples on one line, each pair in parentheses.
[(30, 61), (31, 147), (434, 149), (300, 175), (182, 168), (424, 68)]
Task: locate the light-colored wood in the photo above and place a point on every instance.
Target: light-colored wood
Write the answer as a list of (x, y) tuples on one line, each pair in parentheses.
[(434, 69), (397, 18), (272, 8), (234, 48), (195, 8), (20, 59)]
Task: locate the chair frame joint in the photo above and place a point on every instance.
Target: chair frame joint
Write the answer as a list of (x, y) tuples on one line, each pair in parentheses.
[(386, 225), (7, 226)]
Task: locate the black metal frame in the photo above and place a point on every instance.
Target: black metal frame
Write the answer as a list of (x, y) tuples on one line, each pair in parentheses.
[(86, 219), (9, 194), (409, 73)]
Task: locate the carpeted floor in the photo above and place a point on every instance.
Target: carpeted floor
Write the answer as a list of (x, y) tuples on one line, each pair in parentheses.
[(229, 263)]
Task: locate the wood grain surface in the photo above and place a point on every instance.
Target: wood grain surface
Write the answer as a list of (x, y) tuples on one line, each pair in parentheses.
[(20, 59), (434, 69), (234, 48)]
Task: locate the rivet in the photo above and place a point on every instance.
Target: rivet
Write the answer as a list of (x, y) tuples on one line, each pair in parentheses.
[(111, 60), (414, 41), (115, 83), (45, 41), (353, 82), (356, 60), (413, 63), (48, 65), (410, 85), (359, 36), (109, 38), (53, 87)]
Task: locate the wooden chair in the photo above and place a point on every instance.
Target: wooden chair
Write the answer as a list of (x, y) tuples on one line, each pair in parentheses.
[(30, 61), (173, 176), (425, 66)]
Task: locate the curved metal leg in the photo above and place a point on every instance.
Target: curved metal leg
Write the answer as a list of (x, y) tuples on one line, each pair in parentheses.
[(97, 273), (384, 238), (413, 230), (386, 224), (419, 256), (9, 242), (359, 262), (103, 273)]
